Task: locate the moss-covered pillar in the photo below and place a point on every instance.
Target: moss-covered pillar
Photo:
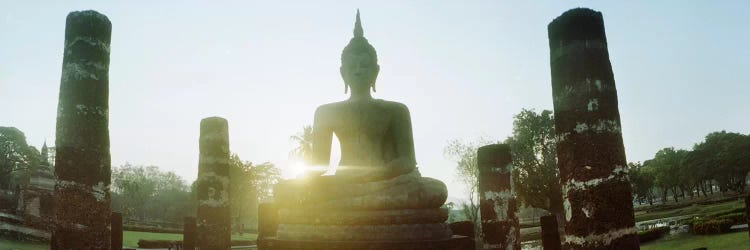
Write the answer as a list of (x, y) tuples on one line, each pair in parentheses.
[(550, 235), (189, 234), (82, 198), (116, 222), (214, 221), (497, 201), (590, 153)]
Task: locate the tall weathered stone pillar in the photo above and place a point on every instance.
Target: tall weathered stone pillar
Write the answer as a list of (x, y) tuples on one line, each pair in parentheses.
[(497, 201), (597, 195), (82, 198), (116, 222), (214, 222), (550, 235)]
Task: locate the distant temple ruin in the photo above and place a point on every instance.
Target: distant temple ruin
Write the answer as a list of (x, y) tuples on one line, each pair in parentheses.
[(35, 200)]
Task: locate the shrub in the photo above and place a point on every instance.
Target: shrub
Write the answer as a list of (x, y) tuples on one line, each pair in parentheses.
[(168, 243), (151, 229), (714, 226), (156, 243), (243, 242), (726, 212), (652, 234), (737, 218), (20, 236)]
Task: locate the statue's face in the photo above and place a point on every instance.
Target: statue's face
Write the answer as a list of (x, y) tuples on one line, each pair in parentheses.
[(359, 71)]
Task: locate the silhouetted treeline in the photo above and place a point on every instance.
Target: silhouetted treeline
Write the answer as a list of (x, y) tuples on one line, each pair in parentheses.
[(721, 161)]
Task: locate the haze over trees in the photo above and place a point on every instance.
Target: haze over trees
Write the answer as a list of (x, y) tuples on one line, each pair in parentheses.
[(250, 184), (146, 193)]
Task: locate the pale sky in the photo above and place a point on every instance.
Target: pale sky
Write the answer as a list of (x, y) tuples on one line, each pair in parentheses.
[(464, 68)]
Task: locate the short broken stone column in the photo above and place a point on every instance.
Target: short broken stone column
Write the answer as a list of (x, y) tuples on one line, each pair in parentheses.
[(268, 219), (82, 196), (550, 235), (464, 228), (591, 157), (189, 234), (116, 231), (268, 222), (214, 222), (497, 201)]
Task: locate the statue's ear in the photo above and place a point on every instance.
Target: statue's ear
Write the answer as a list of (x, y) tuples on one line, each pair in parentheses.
[(375, 77), (346, 85)]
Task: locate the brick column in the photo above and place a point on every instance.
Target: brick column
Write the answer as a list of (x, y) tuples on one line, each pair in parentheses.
[(116, 222), (550, 235), (214, 222), (82, 197), (189, 234), (497, 201), (597, 194)]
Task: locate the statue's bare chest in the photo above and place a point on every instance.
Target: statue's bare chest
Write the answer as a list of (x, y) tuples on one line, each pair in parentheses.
[(362, 121)]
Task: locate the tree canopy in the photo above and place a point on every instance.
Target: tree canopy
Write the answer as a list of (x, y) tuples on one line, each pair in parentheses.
[(534, 149), (17, 158)]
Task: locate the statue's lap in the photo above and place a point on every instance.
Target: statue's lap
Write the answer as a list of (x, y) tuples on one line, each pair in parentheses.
[(409, 191), (406, 207)]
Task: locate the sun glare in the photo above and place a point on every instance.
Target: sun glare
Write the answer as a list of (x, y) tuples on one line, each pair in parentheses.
[(295, 170)]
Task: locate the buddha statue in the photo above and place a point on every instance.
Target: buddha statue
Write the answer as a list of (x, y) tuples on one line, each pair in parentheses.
[(377, 192)]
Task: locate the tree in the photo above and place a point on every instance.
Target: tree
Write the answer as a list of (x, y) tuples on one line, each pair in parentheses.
[(666, 167), (722, 156), (265, 176), (303, 150), (535, 175), (135, 187), (146, 193), (244, 197), (467, 172), (16, 156), (642, 181)]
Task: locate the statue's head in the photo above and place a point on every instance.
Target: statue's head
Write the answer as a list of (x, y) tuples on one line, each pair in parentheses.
[(359, 62)]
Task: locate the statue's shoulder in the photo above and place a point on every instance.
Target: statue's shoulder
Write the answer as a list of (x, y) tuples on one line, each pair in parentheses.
[(329, 108), (393, 106)]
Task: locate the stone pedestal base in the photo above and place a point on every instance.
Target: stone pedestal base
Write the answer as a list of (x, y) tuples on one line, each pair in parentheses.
[(454, 243), (404, 232), (379, 225)]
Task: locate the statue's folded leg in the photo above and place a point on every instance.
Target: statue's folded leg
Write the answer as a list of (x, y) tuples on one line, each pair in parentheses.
[(422, 193)]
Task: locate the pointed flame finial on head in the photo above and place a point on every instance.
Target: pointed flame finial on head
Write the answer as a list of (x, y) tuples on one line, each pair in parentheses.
[(358, 32)]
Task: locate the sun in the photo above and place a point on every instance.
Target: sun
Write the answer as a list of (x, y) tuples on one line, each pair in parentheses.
[(296, 169)]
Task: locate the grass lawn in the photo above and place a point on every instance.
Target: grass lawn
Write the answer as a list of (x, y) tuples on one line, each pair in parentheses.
[(130, 238), (7, 245), (730, 241)]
